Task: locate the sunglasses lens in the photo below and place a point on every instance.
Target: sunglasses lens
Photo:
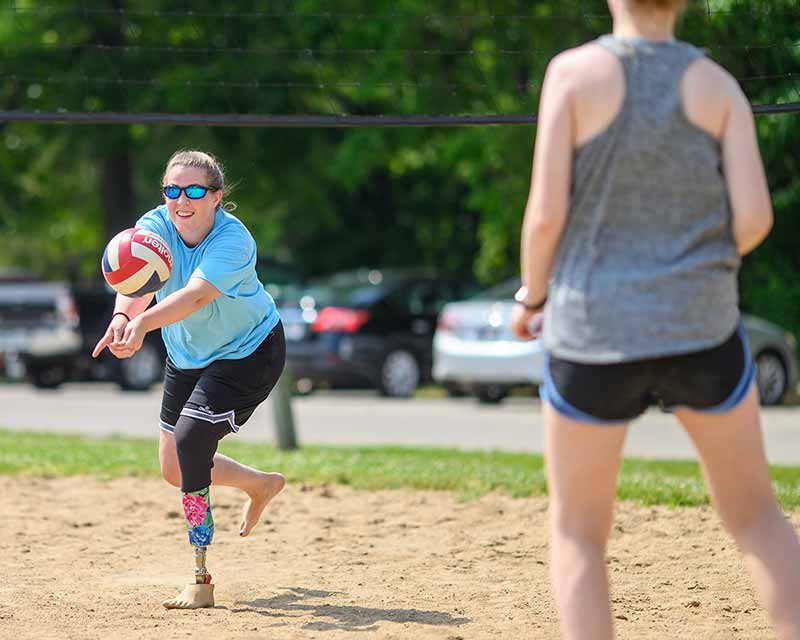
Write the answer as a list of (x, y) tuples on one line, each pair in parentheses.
[(172, 192), (195, 192)]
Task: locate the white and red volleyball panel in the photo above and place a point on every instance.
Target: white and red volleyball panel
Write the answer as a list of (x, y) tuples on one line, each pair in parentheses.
[(136, 262)]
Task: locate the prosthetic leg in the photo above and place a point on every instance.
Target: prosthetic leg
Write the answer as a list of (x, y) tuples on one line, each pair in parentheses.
[(196, 439), (201, 574), (200, 525)]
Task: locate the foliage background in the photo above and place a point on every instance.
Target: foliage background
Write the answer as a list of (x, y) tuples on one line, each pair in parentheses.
[(326, 199)]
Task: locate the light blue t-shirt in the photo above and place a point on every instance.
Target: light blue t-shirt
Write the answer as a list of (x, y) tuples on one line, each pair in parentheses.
[(232, 325)]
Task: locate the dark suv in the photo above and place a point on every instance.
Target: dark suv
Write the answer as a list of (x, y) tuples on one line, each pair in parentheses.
[(368, 327)]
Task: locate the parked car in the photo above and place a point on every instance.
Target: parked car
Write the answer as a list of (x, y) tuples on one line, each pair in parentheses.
[(369, 327), (775, 352), (137, 373), (48, 364), (475, 350), (38, 327)]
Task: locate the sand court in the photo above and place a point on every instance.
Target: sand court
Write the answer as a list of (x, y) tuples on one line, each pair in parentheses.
[(89, 558)]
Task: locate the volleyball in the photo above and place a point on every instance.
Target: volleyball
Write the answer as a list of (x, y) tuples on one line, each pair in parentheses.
[(136, 262)]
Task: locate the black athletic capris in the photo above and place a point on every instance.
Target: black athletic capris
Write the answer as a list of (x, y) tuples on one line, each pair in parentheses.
[(226, 391), (713, 380)]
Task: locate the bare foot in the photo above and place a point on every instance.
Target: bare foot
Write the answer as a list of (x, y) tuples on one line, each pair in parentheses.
[(271, 486), (194, 596)]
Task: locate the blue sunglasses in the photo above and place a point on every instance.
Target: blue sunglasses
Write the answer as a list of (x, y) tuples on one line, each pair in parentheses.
[(193, 191)]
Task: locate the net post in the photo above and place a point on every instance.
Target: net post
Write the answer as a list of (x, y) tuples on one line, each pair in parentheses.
[(282, 415)]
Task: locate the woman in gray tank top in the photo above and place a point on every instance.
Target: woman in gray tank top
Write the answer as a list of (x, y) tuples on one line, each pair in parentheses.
[(647, 187)]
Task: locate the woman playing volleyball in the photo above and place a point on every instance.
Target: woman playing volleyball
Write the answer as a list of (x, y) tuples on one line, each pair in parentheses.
[(647, 187), (225, 349)]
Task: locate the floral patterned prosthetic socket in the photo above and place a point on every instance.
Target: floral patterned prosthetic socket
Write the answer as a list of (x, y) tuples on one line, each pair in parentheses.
[(200, 525)]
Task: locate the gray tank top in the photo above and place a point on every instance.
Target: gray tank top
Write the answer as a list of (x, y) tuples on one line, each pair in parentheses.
[(647, 265)]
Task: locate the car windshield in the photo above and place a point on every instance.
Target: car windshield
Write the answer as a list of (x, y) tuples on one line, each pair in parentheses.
[(503, 291), (351, 289)]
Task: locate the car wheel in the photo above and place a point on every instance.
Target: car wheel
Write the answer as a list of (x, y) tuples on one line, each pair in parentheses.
[(490, 393), (141, 371), (771, 377), (399, 375), (48, 377)]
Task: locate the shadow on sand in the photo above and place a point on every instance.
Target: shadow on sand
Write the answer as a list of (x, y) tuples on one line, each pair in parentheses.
[(350, 618)]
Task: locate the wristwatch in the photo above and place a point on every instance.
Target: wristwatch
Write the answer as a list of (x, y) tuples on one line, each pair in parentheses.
[(521, 296)]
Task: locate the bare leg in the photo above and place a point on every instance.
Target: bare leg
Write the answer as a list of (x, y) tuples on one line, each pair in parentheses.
[(735, 467), (582, 464), (260, 487)]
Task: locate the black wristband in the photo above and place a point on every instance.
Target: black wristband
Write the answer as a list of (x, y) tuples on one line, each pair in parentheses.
[(534, 307), (521, 297), (121, 313)]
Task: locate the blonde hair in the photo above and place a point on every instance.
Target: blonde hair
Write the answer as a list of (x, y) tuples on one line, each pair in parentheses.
[(215, 174), (664, 5)]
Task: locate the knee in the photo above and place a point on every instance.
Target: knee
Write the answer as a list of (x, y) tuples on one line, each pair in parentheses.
[(584, 529), (195, 446), (192, 438), (197, 438), (185, 437), (168, 460), (171, 472), (742, 522)]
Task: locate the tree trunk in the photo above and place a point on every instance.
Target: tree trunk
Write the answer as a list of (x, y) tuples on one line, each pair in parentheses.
[(115, 152), (117, 181)]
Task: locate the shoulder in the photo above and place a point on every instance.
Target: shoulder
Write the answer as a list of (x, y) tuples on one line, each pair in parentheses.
[(706, 76), (231, 236), (575, 59), (589, 80), (709, 93), (580, 67), (232, 229)]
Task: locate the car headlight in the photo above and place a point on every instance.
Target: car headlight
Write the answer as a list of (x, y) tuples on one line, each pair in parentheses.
[(791, 340)]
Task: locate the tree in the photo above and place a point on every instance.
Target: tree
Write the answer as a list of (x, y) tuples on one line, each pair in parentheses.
[(451, 198)]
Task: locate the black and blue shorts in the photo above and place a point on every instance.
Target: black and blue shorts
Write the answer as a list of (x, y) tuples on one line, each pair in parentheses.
[(712, 380), (226, 392)]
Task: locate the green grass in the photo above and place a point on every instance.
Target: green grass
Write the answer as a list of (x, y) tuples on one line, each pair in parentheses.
[(470, 474)]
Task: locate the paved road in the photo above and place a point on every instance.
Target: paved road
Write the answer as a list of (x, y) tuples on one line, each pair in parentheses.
[(363, 418)]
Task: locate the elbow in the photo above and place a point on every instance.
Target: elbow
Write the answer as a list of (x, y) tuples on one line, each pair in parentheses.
[(197, 301), (201, 296), (762, 222), (542, 225), (752, 232)]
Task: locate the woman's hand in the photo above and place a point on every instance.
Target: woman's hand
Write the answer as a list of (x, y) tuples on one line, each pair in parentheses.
[(112, 337), (132, 338), (526, 323)]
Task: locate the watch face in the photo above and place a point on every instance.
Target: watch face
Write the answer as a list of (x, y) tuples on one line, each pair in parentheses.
[(521, 294)]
